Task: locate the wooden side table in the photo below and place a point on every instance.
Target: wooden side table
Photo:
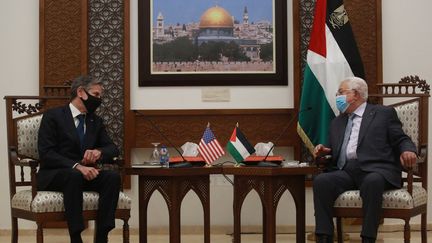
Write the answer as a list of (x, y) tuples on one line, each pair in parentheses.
[(173, 184), (270, 184)]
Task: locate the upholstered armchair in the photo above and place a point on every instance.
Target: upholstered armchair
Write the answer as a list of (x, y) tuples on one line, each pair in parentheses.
[(24, 115), (410, 98)]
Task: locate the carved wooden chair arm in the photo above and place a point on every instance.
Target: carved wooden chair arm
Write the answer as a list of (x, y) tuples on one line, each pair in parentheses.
[(13, 155), (421, 158), (119, 161), (410, 179), (117, 165), (26, 162), (323, 161), (423, 154)]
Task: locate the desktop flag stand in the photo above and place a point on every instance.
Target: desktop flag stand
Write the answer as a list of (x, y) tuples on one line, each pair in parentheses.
[(238, 146), (209, 147)]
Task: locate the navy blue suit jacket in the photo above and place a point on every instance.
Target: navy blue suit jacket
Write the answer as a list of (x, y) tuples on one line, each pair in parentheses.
[(59, 145), (381, 141)]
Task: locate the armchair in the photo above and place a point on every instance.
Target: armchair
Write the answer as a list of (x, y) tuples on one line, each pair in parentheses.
[(24, 114), (410, 98)]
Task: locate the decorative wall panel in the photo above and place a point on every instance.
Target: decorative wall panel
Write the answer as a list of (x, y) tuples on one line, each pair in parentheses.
[(60, 41), (365, 16), (106, 61), (182, 125), (307, 8)]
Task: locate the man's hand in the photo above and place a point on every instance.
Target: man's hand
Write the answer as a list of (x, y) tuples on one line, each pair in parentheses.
[(89, 173), (408, 159), (320, 150), (91, 156)]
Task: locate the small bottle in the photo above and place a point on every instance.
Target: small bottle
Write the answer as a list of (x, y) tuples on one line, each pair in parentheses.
[(164, 156)]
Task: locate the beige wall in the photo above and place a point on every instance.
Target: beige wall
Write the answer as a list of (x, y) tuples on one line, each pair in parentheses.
[(407, 50), (19, 69), (407, 35)]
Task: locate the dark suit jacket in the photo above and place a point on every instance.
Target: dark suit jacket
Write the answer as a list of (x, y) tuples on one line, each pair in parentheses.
[(59, 145), (381, 141)]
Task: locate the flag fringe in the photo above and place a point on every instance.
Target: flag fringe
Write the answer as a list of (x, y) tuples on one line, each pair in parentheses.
[(305, 138)]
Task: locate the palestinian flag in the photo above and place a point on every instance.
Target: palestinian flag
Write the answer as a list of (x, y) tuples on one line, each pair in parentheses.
[(332, 57), (238, 146)]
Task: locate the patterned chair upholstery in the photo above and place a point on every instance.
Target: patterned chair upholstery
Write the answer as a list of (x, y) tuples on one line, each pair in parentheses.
[(26, 201), (411, 199), (408, 113)]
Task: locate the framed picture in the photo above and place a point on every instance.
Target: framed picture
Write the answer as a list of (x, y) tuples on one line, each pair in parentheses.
[(207, 42)]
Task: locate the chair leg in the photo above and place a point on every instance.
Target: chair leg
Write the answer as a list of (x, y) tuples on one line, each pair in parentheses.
[(39, 233), (407, 231), (424, 228), (94, 233), (339, 229), (14, 238), (125, 230)]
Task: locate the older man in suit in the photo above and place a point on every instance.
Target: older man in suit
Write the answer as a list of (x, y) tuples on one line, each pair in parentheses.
[(368, 148), (72, 139)]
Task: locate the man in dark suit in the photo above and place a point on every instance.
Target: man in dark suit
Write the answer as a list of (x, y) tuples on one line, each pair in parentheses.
[(72, 139), (368, 148)]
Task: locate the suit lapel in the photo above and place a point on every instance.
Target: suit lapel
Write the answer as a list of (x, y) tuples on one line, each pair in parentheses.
[(368, 117), (90, 131)]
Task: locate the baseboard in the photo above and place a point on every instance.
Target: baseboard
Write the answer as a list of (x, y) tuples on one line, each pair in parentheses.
[(221, 229)]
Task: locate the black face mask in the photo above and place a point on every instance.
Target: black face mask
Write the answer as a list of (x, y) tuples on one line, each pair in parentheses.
[(91, 103)]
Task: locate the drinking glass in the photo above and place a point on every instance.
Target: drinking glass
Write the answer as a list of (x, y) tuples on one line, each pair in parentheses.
[(155, 155)]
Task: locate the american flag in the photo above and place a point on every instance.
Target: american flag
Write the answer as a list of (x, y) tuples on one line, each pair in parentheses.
[(209, 147)]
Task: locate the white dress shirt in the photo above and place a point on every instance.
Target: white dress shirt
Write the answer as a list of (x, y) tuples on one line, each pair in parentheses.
[(75, 112), (353, 139)]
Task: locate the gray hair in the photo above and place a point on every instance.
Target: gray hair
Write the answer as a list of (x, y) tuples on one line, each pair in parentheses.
[(83, 81), (357, 84)]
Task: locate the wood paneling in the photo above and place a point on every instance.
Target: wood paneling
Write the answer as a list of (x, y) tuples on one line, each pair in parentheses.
[(62, 41), (365, 18), (179, 126)]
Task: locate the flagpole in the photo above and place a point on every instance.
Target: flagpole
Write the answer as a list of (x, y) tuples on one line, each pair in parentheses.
[(208, 165)]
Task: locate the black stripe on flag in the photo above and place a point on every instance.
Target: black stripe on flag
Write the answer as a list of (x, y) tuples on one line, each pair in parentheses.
[(337, 22), (244, 141)]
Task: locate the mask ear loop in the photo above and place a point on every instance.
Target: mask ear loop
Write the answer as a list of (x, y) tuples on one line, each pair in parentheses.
[(85, 91), (355, 96)]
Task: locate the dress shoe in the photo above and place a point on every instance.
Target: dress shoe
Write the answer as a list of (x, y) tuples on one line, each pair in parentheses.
[(368, 240), (101, 237), (322, 238), (76, 238)]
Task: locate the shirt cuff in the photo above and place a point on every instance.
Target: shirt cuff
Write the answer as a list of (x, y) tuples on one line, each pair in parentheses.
[(75, 165)]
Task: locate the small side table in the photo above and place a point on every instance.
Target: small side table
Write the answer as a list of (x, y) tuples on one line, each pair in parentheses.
[(173, 184)]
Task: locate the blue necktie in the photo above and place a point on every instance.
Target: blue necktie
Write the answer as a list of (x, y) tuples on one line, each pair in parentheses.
[(342, 156), (80, 128)]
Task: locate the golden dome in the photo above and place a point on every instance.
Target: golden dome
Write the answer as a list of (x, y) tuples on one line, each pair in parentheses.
[(216, 17)]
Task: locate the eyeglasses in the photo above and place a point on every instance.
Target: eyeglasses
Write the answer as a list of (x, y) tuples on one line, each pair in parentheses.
[(344, 91)]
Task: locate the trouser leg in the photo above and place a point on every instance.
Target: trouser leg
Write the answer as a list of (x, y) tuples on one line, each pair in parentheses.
[(326, 188), (371, 190), (70, 182), (107, 184)]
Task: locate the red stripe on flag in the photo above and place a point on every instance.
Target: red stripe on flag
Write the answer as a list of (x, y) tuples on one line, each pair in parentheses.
[(209, 147), (234, 135), (317, 41), (205, 152), (217, 148)]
